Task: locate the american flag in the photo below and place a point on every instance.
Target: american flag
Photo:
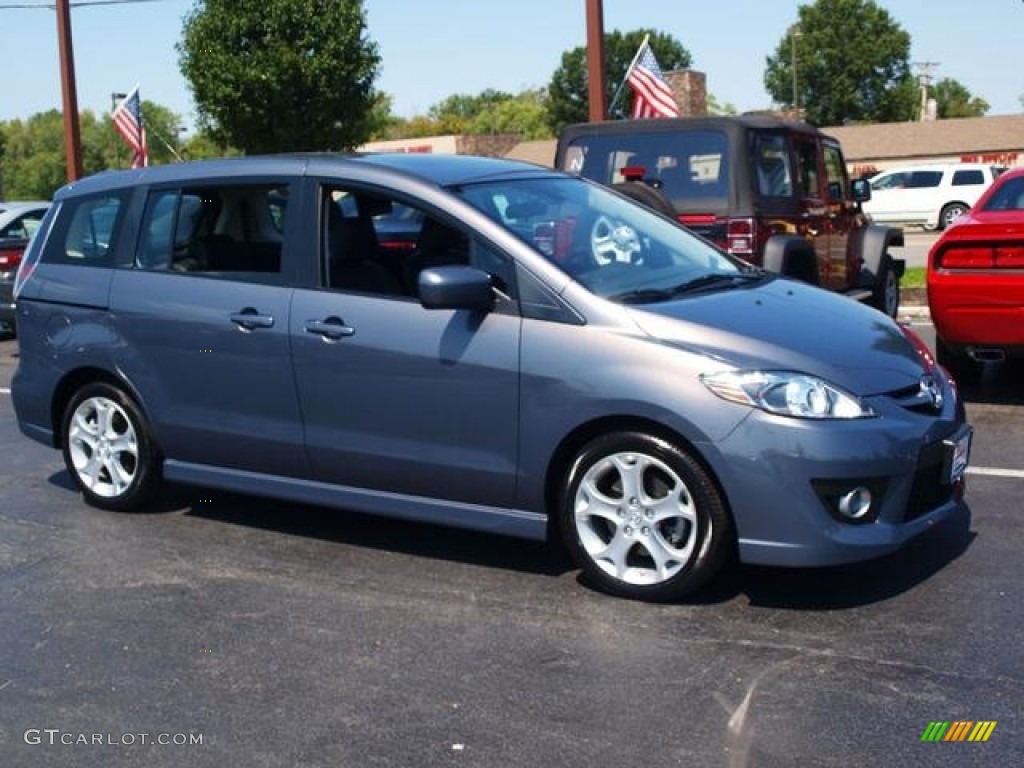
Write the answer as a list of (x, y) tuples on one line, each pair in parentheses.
[(651, 95), (128, 122)]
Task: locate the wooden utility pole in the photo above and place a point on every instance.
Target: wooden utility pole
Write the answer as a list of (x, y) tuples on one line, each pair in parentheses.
[(72, 134), (595, 59)]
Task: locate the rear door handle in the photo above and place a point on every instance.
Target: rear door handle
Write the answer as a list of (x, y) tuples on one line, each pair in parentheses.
[(332, 328), (249, 319)]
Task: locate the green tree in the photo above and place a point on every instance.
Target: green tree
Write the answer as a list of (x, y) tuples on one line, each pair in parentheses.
[(281, 75), (952, 99), (852, 64), (568, 100), (489, 111), (525, 114), (33, 163), (383, 123), (715, 107), (457, 113)]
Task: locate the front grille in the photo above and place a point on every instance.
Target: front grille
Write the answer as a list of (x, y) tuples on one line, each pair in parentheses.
[(930, 489), (915, 398)]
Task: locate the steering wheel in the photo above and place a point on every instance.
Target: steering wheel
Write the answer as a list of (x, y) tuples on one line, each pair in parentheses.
[(611, 241)]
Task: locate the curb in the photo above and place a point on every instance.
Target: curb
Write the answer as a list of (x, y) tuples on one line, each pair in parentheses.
[(914, 312)]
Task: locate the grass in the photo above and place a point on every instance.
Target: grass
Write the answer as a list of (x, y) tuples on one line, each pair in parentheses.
[(914, 277)]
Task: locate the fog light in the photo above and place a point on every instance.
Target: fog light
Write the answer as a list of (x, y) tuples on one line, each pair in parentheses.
[(855, 504)]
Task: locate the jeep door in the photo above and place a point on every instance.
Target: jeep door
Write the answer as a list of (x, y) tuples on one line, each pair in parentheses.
[(839, 269), (814, 222), (202, 315), (396, 397)]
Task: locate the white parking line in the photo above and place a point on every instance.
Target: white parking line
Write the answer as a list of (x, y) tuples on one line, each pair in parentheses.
[(994, 472)]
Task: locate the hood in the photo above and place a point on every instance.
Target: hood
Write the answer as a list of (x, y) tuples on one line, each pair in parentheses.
[(780, 324)]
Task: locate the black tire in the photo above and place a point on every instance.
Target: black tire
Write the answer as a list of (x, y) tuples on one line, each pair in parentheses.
[(109, 449), (885, 293), (964, 370), (646, 195), (951, 211), (694, 545)]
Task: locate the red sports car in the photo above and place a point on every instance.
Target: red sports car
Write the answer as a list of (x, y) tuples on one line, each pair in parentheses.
[(976, 281)]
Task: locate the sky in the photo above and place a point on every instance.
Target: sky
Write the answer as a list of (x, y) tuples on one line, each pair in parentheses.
[(431, 49)]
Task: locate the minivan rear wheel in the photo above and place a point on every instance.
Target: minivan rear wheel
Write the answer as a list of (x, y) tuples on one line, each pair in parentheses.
[(643, 518), (109, 449)]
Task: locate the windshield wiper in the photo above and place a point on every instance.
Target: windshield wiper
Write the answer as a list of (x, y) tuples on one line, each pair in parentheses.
[(718, 280), (642, 296)]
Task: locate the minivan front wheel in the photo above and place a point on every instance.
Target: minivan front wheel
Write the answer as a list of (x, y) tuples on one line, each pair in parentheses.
[(643, 518), (108, 448)]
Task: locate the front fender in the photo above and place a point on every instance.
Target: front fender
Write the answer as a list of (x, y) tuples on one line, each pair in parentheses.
[(875, 243)]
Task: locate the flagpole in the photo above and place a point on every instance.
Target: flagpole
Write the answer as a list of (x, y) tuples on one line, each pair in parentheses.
[(629, 70)]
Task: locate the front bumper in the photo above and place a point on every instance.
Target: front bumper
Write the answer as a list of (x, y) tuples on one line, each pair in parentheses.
[(774, 469)]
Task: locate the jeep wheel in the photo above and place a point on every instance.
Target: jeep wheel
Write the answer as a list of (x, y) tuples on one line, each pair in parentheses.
[(643, 518), (885, 295)]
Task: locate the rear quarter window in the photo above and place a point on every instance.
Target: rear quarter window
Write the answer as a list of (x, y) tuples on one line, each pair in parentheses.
[(968, 178), (86, 231)]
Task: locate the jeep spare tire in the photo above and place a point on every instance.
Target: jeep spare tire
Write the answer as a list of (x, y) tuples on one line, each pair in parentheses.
[(646, 195)]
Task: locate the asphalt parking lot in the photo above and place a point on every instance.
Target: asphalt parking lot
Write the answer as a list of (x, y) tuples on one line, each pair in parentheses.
[(223, 630)]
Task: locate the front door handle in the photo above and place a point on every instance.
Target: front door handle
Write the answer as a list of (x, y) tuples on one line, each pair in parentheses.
[(332, 328), (249, 319)]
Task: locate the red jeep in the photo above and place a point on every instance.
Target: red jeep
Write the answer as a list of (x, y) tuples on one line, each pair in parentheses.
[(773, 192)]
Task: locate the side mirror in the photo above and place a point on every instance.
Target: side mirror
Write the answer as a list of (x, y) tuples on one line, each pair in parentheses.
[(861, 190), (456, 287)]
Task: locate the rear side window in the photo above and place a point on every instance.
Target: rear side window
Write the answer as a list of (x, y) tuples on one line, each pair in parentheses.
[(925, 179), (968, 178), (86, 231), (214, 230)]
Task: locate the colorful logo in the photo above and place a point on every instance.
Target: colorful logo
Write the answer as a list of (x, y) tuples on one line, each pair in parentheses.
[(958, 730)]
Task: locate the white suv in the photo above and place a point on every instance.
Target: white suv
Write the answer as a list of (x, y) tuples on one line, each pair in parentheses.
[(928, 195)]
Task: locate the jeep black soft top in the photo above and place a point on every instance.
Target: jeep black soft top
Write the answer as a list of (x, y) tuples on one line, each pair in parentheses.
[(773, 191)]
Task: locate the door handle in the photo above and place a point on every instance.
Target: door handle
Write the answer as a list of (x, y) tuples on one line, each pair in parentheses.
[(332, 328), (249, 319)]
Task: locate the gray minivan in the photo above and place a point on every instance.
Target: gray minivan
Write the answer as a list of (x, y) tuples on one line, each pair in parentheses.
[(538, 356)]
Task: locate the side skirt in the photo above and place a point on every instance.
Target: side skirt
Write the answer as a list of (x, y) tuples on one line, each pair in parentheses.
[(507, 522)]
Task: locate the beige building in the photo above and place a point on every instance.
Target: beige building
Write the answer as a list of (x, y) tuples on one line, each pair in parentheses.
[(992, 140)]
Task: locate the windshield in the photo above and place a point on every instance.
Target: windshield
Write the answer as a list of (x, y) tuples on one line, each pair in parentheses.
[(618, 249)]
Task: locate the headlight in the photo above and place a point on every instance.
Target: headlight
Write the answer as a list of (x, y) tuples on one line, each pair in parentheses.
[(787, 393)]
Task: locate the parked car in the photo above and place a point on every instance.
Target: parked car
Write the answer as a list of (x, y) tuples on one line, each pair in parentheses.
[(550, 359), (976, 281), (18, 222), (773, 192), (930, 196)]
